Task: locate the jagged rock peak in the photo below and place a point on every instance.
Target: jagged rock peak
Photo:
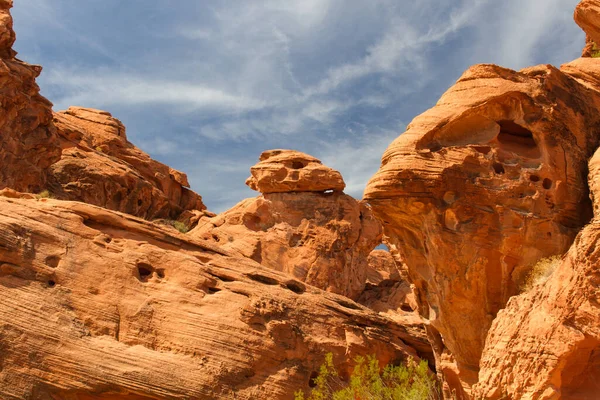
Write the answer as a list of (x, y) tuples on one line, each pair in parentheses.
[(283, 171)]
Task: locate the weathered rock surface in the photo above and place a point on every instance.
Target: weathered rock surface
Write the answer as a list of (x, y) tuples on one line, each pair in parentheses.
[(100, 166), (546, 343), (29, 142), (97, 304), (323, 239), (79, 154), (587, 16), (282, 171), (477, 190)]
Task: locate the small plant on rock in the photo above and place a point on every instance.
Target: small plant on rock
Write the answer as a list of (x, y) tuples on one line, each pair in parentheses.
[(44, 194), (541, 272), (412, 381), (180, 226)]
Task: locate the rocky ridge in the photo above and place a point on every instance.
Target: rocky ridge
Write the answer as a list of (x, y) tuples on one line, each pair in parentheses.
[(78, 154)]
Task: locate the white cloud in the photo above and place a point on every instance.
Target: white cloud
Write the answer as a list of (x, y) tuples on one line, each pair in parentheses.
[(114, 89)]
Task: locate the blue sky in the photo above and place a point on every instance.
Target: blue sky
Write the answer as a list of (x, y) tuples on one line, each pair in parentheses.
[(206, 86)]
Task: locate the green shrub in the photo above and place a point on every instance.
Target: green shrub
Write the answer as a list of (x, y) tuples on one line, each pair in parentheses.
[(595, 53), (44, 194), (180, 226), (412, 381), (541, 272)]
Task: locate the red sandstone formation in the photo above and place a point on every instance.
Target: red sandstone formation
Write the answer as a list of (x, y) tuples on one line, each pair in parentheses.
[(320, 238), (546, 343), (285, 171), (99, 166), (479, 188), (79, 154), (98, 305)]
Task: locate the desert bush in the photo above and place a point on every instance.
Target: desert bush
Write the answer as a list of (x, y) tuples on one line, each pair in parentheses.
[(412, 381), (44, 194), (180, 226), (595, 51), (541, 272)]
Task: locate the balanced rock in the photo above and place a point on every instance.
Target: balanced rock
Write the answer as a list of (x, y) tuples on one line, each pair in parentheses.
[(98, 304), (320, 238), (284, 171), (477, 190)]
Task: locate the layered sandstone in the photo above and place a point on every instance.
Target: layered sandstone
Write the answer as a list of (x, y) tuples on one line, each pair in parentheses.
[(79, 154), (587, 16), (98, 304), (477, 190), (285, 171), (98, 165), (323, 239), (546, 343), (29, 142)]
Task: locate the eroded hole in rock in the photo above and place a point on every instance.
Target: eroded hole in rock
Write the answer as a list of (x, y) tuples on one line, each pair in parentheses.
[(406, 307), (312, 381), (295, 286), (263, 279), (222, 277), (298, 165), (547, 183), (295, 240), (328, 191), (534, 178), (498, 168), (51, 283), (213, 290), (52, 261), (144, 272), (139, 202), (348, 304), (160, 273), (482, 149), (216, 238), (513, 133)]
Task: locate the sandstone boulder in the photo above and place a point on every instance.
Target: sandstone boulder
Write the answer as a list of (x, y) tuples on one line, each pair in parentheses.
[(477, 190), (587, 16), (283, 171), (97, 304)]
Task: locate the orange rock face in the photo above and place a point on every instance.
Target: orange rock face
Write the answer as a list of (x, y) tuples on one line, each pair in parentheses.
[(477, 190), (78, 154), (322, 239), (546, 343), (102, 305), (99, 166), (282, 171), (587, 16), (29, 142)]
